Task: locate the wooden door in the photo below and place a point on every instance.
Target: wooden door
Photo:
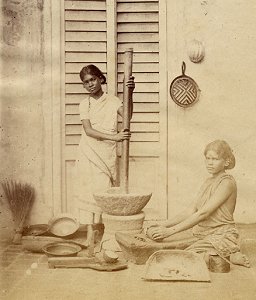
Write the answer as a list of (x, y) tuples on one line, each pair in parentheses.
[(98, 32)]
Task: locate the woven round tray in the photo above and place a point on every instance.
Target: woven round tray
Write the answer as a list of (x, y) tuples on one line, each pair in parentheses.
[(184, 90)]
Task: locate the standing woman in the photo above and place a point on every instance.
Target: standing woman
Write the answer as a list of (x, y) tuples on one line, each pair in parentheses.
[(96, 162)]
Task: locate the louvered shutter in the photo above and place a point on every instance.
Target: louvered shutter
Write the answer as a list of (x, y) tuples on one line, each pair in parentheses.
[(85, 43), (137, 25)]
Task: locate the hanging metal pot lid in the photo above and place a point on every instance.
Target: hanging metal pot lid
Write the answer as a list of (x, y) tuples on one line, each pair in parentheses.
[(184, 90)]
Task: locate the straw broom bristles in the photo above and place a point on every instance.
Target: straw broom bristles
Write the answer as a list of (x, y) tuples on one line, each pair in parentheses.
[(20, 198)]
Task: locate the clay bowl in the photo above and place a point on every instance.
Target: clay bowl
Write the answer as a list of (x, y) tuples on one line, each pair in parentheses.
[(61, 249), (114, 202)]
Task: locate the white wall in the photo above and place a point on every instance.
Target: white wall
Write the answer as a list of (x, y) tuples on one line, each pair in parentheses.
[(227, 106), (22, 148)]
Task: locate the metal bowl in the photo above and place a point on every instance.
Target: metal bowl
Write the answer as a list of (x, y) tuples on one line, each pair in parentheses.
[(63, 225), (61, 249)]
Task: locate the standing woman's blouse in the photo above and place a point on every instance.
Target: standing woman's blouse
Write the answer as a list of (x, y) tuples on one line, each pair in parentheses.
[(102, 112)]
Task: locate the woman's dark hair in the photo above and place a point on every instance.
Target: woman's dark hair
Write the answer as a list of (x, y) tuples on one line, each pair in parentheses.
[(223, 150), (94, 71)]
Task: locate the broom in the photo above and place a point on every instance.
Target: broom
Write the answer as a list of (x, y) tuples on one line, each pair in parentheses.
[(20, 198)]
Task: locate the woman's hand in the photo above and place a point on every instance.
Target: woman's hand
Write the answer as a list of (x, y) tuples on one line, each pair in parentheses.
[(130, 83), (149, 230), (122, 135), (159, 233)]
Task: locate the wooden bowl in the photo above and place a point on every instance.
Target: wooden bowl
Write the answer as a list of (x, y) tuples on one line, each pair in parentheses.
[(36, 229), (36, 243)]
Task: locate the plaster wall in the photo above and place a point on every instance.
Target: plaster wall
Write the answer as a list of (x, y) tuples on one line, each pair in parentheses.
[(226, 109), (22, 148)]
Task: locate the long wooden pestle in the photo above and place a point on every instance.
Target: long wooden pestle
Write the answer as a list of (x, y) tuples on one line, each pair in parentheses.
[(124, 178)]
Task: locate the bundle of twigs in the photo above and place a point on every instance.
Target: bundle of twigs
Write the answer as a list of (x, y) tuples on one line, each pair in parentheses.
[(20, 198)]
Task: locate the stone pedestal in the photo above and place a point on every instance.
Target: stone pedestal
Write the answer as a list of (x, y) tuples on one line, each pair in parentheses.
[(127, 224)]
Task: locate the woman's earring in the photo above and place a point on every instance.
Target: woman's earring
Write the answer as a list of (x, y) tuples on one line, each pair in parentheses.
[(227, 162)]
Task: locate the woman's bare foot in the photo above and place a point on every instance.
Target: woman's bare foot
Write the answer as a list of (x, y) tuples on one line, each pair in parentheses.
[(240, 259)]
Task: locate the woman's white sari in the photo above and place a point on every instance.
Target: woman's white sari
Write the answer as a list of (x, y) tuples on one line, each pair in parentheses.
[(96, 162)]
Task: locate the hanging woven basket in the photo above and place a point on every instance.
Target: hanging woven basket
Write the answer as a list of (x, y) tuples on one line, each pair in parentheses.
[(184, 90)]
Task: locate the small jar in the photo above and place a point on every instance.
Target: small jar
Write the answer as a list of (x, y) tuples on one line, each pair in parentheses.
[(218, 265)]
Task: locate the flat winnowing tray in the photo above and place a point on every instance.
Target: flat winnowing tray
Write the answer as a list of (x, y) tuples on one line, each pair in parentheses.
[(176, 265)]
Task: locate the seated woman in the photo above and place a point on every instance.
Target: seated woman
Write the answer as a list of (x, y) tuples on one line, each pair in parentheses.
[(211, 216)]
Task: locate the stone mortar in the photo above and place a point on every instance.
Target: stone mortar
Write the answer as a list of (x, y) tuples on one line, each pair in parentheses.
[(114, 202)]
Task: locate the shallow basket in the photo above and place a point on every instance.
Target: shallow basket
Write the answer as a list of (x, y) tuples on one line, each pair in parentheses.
[(176, 265), (115, 202)]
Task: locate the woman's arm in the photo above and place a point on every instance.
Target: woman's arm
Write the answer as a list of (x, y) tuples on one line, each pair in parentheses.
[(183, 215), (224, 191), (103, 136), (174, 221)]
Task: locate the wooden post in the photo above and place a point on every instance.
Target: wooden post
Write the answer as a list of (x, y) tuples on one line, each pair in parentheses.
[(128, 55)]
